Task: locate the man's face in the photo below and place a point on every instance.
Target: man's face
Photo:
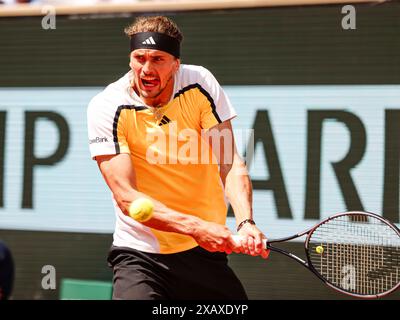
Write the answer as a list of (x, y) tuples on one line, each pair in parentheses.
[(154, 71)]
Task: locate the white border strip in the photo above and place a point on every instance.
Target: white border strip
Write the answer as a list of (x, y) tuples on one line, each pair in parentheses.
[(164, 6)]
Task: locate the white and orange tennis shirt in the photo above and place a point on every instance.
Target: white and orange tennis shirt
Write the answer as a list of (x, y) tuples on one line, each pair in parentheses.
[(166, 151)]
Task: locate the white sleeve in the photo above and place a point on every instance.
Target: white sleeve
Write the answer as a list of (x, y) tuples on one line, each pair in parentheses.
[(100, 121), (223, 106)]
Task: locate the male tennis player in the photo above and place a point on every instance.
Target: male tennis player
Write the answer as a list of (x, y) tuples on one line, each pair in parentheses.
[(145, 130)]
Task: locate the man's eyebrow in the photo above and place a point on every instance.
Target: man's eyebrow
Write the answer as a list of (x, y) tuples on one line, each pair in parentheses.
[(154, 55), (157, 55)]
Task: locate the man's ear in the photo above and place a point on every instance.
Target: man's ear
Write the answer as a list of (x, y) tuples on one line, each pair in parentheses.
[(177, 64), (130, 61)]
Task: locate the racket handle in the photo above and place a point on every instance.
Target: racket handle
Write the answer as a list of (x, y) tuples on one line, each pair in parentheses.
[(237, 239)]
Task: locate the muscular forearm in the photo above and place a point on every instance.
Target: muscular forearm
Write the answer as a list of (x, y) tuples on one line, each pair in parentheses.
[(173, 221), (209, 235), (120, 177), (163, 218), (166, 219), (239, 192)]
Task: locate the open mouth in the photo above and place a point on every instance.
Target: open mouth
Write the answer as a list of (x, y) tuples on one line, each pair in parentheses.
[(149, 83)]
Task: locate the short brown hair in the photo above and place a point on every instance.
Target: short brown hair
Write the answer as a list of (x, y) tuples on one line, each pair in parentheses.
[(159, 24)]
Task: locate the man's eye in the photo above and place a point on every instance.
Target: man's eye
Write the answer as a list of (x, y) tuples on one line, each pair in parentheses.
[(158, 59)]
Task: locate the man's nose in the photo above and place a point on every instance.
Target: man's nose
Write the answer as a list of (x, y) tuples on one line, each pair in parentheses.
[(147, 67)]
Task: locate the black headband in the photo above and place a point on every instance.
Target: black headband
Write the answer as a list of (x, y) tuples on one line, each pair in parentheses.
[(156, 41)]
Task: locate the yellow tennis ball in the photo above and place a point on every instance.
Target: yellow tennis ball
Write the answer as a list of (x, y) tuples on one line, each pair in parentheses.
[(141, 209), (319, 249)]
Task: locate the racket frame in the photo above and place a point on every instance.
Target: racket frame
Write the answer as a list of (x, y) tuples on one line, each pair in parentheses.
[(307, 263)]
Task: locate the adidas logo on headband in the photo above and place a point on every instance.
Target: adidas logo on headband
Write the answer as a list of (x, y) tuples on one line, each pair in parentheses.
[(149, 41), (155, 41)]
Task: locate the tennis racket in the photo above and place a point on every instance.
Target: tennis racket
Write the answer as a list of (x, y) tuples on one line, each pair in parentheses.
[(356, 253)]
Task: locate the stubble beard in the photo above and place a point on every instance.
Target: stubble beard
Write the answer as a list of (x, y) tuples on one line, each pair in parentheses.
[(154, 97)]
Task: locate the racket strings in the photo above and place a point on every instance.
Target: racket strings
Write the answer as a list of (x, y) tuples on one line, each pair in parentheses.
[(359, 255)]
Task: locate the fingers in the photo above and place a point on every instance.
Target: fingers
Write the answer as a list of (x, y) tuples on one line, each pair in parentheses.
[(249, 245), (259, 246), (246, 246), (254, 246), (233, 246), (261, 250), (228, 250), (265, 253)]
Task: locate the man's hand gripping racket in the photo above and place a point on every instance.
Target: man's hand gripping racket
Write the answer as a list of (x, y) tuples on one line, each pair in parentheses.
[(356, 253)]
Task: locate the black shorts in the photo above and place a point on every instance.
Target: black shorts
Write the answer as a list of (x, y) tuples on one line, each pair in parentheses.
[(194, 274)]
